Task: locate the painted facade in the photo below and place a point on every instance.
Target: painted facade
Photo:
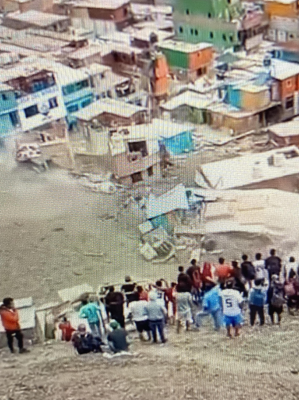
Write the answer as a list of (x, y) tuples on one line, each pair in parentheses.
[(225, 23), (9, 117), (188, 61)]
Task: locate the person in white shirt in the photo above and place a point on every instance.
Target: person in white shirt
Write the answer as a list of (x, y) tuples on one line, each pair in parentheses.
[(290, 269), (260, 268), (231, 304), (137, 310)]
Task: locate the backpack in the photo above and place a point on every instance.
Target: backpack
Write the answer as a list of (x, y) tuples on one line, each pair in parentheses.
[(277, 298), (257, 298), (290, 289)]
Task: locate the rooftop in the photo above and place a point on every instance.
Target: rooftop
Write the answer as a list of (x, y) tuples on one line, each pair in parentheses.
[(85, 52), (108, 106), (290, 128), (189, 98), (144, 34), (255, 168), (183, 46), (104, 4), (281, 1), (37, 18), (281, 70)]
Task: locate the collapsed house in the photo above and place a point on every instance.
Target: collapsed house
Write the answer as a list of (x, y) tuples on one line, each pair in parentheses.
[(275, 169)]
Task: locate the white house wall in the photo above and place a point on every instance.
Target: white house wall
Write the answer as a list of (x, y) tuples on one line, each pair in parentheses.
[(38, 99)]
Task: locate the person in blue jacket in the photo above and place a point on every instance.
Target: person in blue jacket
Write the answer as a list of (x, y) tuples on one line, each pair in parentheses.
[(211, 306), (257, 301)]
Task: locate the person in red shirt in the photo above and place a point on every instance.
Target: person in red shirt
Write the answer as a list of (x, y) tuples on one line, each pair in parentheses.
[(10, 321), (170, 301), (143, 294), (67, 330), (223, 270)]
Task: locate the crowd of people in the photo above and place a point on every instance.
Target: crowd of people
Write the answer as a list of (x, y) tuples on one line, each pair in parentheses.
[(224, 291)]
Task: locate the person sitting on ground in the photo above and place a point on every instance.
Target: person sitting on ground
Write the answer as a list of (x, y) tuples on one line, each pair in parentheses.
[(273, 264), (139, 315), (184, 280), (143, 294), (232, 302), (184, 306), (84, 342), (247, 270), (129, 289), (275, 299), (66, 330), (117, 339), (115, 306), (290, 270), (223, 270), (10, 321), (257, 301), (91, 311), (259, 267), (156, 315), (211, 306)]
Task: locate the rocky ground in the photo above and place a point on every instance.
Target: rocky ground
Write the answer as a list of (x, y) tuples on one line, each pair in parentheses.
[(48, 225)]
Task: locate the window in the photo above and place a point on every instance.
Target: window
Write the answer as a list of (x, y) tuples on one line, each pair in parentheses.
[(198, 54), (137, 177), (224, 37), (73, 108), (53, 103), (209, 15), (231, 38), (85, 103), (191, 31), (289, 102), (289, 83), (196, 32), (14, 118), (138, 147), (181, 29), (4, 97), (150, 171), (187, 11), (228, 1), (211, 35), (74, 87), (31, 111)]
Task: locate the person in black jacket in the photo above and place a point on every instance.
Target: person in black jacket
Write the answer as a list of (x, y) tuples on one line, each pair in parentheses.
[(273, 264), (247, 270)]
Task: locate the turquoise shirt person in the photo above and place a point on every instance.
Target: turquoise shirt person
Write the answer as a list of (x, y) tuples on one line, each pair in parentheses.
[(91, 312)]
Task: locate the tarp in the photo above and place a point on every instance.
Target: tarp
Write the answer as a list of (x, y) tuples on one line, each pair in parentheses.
[(175, 199), (181, 143)]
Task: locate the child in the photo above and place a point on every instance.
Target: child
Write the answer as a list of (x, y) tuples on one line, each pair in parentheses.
[(231, 304)]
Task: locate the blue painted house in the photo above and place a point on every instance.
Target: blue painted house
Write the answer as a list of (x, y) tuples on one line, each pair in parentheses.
[(9, 117), (76, 90)]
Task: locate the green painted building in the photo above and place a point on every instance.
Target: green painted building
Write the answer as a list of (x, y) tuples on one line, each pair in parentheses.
[(219, 22)]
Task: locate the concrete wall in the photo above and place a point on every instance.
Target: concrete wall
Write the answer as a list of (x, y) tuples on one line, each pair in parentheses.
[(123, 168)]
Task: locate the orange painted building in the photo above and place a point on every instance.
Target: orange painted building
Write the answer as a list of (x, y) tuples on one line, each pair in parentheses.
[(187, 60), (161, 76), (283, 8)]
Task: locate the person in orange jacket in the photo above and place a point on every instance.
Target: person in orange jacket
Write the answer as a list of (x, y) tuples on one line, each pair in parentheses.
[(10, 321)]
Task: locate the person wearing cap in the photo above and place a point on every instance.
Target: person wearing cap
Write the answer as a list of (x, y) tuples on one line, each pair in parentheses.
[(211, 305), (84, 342), (257, 301), (117, 339), (156, 315)]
